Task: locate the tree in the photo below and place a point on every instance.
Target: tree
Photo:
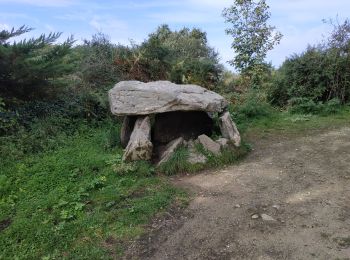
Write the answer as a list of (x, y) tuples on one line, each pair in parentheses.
[(192, 60), (252, 36), (180, 56), (29, 67)]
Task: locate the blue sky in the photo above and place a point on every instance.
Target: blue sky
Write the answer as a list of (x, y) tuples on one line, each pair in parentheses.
[(300, 21)]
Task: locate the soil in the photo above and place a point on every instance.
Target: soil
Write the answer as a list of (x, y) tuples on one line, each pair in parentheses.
[(301, 183)]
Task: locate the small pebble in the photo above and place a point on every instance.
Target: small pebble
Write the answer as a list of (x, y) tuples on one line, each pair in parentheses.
[(275, 206), (267, 217), (255, 216)]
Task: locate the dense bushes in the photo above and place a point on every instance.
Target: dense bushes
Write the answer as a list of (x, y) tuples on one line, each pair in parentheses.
[(320, 74), (179, 56), (95, 62)]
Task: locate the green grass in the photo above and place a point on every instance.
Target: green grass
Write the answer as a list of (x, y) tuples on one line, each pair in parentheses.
[(178, 162), (288, 123), (72, 202)]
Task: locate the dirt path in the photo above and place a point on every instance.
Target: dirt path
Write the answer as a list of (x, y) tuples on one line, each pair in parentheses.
[(303, 184)]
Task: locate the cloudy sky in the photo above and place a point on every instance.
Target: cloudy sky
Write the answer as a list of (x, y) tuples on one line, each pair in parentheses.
[(300, 21)]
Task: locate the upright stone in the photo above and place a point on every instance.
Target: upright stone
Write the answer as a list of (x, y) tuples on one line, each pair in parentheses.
[(140, 145), (209, 144), (229, 129), (170, 149), (126, 130)]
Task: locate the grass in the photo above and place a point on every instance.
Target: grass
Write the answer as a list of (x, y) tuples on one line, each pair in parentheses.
[(178, 163), (288, 123), (72, 202)]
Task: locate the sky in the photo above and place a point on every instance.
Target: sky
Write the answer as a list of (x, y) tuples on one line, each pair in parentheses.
[(300, 21)]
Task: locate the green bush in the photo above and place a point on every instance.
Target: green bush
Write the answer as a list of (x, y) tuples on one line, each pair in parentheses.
[(182, 56), (319, 74), (251, 106), (308, 106), (304, 106), (332, 106)]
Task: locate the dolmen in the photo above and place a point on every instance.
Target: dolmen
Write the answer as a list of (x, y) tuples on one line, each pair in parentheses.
[(160, 116)]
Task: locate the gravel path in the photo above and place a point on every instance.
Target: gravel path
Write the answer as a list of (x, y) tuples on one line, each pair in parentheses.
[(289, 199)]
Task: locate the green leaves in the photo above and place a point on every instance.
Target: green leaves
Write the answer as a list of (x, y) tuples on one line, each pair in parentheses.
[(29, 66), (252, 36)]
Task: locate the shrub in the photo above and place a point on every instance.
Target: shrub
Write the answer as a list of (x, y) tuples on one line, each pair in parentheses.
[(304, 106), (251, 106), (332, 106), (308, 106), (96, 66), (320, 74)]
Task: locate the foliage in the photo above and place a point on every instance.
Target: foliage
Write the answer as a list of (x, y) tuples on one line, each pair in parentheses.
[(250, 105), (252, 36), (29, 68), (319, 74), (147, 62), (308, 106), (96, 62), (180, 56)]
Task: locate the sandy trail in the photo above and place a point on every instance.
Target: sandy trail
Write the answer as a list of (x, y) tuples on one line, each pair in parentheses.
[(303, 183)]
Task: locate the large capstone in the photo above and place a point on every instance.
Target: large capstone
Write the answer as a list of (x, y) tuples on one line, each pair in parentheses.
[(137, 98), (188, 125)]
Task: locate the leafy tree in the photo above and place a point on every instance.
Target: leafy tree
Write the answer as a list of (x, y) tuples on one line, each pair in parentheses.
[(180, 56), (252, 36), (192, 59), (29, 68)]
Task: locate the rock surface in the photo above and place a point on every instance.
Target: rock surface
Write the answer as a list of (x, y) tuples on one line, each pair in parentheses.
[(229, 129), (196, 158), (186, 124), (137, 98), (169, 150), (126, 130), (209, 144), (140, 146), (267, 217), (223, 142)]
